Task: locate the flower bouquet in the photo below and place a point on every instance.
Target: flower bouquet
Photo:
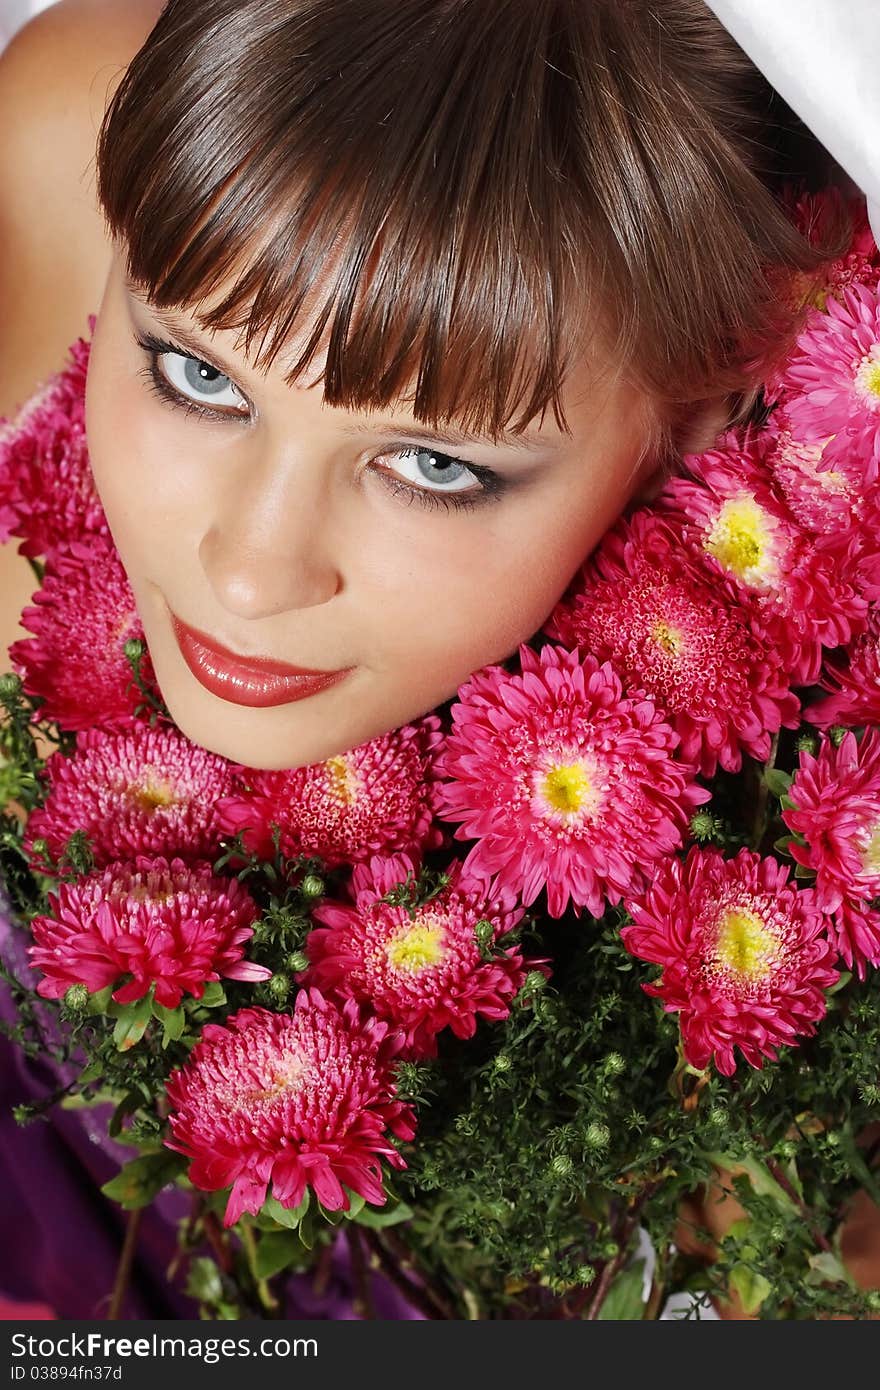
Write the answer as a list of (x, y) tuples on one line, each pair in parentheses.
[(489, 998)]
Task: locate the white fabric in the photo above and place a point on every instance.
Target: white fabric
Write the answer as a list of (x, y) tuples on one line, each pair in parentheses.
[(13, 14), (823, 57)]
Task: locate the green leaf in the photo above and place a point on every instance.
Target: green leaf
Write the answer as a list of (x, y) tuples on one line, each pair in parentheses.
[(762, 1181), (204, 1282), (99, 1001), (173, 1022), (827, 1268), (377, 1217), (356, 1204), (624, 1302), (276, 1249), (751, 1287), (214, 995), (132, 1022), (290, 1217), (776, 781), (141, 1179)]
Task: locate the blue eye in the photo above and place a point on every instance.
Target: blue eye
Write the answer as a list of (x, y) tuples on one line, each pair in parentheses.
[(194, 386), (187, 381)]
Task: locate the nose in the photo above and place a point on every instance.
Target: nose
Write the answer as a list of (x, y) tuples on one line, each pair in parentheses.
[(270, 548)]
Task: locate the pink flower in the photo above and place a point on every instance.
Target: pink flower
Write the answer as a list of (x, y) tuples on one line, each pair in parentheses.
[(651, 606), (170, 924), (745, 955), (378, 798), (82, 616), (833, 380), (814, 214), (133, 790), (47, 493), (422, 973), (836, 810), (803, 591), (299, 1100), (853, 677), (563, 782)]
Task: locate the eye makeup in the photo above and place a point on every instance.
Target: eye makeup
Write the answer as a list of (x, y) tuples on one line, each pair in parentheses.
[(492, 486)]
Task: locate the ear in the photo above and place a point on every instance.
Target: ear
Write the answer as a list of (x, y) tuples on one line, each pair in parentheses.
[(694, 431), (700, 428)]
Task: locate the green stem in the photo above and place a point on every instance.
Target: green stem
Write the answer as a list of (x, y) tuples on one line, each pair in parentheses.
[(126, 1260), (268, 1301), (759, 825)]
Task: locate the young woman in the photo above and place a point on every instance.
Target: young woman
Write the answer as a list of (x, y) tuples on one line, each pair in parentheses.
[(400, 303)]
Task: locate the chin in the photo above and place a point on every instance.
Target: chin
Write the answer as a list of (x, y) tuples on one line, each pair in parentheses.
[(218, 734)]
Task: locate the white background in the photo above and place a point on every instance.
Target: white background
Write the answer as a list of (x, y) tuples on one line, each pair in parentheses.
[(15, 12)]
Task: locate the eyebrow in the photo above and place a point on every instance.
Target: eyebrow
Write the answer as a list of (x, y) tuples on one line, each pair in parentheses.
[(525, 440)]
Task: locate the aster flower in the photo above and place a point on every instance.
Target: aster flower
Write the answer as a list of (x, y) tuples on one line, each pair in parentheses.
[(833, 380), (564, 783), (814, 215), (802, 589), (836, 809), (301, 1100), (422, 973), (651, 606), (855, 928), (853, 678), (47, 491), (133, 790), (172, 925), (82, 616), (376, 798), (745, 955)]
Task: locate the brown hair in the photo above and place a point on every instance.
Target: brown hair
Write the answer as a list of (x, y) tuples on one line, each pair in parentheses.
[(464, 193)]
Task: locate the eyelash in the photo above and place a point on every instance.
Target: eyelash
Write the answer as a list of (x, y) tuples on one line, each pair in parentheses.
[(493, 486)]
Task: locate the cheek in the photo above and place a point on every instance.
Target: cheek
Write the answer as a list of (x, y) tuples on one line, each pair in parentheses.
[(470, 598)]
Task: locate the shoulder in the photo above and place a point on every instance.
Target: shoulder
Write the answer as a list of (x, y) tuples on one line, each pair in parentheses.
[(56, 77)]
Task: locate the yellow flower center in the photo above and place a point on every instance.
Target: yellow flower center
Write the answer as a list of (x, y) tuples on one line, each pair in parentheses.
[(151, 794), (745, 946), (568, 788), (868, 375), (741, 540), (417, 948), (871, 850), (668, 638), (342, 779)]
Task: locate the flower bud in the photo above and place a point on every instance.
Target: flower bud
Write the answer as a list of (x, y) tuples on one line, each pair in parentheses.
[(10, 685), (597, 1135), (502, 1063), (585, 1274), (278, 987), (561, 1166), (76, 998), (312, 886), (614, 1064), (534, 982), (297, 961), (485, 934), (133, 649), (837, 733), (40, 847), (807, 743)]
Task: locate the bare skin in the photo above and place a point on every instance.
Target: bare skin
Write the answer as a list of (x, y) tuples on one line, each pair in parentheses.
[(56, 77), (53, 272)]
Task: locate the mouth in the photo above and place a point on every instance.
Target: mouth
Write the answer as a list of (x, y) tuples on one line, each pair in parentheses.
[(254, 681)]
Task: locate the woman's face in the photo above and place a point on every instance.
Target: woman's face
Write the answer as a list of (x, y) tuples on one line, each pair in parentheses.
[(327, 538)]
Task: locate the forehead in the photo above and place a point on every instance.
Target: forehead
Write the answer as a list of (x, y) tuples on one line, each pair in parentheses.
[(594, 387)]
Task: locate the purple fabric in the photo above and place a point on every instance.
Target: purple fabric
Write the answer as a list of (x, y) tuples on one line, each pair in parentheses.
[(60, 1238)]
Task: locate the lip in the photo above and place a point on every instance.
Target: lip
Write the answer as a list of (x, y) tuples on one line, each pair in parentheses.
[(258, 682)]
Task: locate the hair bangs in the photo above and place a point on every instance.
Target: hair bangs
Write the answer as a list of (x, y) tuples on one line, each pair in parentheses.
[(406, 250)]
